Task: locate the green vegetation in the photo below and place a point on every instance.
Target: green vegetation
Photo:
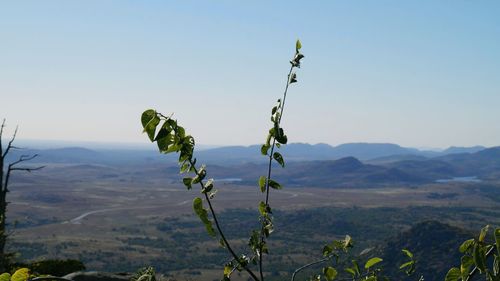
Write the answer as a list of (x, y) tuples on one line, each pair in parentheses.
[(171, 137)]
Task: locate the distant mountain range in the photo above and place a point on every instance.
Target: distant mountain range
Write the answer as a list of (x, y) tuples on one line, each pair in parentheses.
[(350, 172), (374, 152), (359, 165), (308, 152)]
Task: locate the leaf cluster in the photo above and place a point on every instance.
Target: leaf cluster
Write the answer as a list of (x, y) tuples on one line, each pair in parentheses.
[(479, 257)]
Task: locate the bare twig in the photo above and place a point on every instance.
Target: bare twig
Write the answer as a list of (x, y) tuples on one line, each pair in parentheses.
[(9, 146), (12, 167)]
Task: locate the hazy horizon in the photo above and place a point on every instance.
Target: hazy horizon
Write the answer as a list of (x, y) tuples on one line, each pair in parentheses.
[(111, 145), (419, 74)]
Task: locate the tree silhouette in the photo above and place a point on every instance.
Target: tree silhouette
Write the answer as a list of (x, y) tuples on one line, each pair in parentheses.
[(6, 170)]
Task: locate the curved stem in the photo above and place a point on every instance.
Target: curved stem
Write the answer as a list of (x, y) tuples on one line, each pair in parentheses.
[(309, 265), (47, 278), (219, 229), (269, 170)]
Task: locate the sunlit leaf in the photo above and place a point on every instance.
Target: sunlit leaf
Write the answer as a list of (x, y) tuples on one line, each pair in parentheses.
[(262, 208), (21, 274), (203, 215), (371, 262), (5, 276), (483, 233), (330, 273), (298, 45), (453, 274), (262, 183), (408, 253), (466, 245)]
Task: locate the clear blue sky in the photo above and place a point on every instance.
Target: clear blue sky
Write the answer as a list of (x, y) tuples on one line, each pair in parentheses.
[(416, 73)]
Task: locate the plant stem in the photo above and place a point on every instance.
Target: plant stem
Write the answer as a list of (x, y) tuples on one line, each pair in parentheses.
[(226, 243), (475, 269), (309, 265), (269, 170)]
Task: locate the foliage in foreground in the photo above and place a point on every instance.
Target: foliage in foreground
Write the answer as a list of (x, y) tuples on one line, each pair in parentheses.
[(172, 138)]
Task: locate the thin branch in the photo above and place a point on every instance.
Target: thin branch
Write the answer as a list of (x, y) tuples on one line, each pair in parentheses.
[(9, 146), (309, 265), (219, 229), (12, 167), (1, 127), (47, 278), (1, 134), (28, 169), (23, 158), (269, 170)]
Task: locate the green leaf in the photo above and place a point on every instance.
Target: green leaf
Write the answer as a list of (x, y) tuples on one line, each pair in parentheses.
[(262, 183), (406, 264), (202, 173), (164, 139), (149, 121), (274, 184), (283, 139), (466, 245), (262, 208), (371, 262), (5, 276), (408, 253), (279, 158), (350, 271), (184, 167), (479, 257), (203, 215), (264, 148), (227, 270), (347, 242), (330, 273), (21, 274), (274, 110), (356, 267), (453, 274), (209, 185), (497, 239), (496, 265), (465, 263), (483, 233), (187, 181), (147, 116), (298, 45), (327, 250)]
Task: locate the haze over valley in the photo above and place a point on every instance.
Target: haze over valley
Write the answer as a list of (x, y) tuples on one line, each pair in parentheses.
[(120, 209)]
